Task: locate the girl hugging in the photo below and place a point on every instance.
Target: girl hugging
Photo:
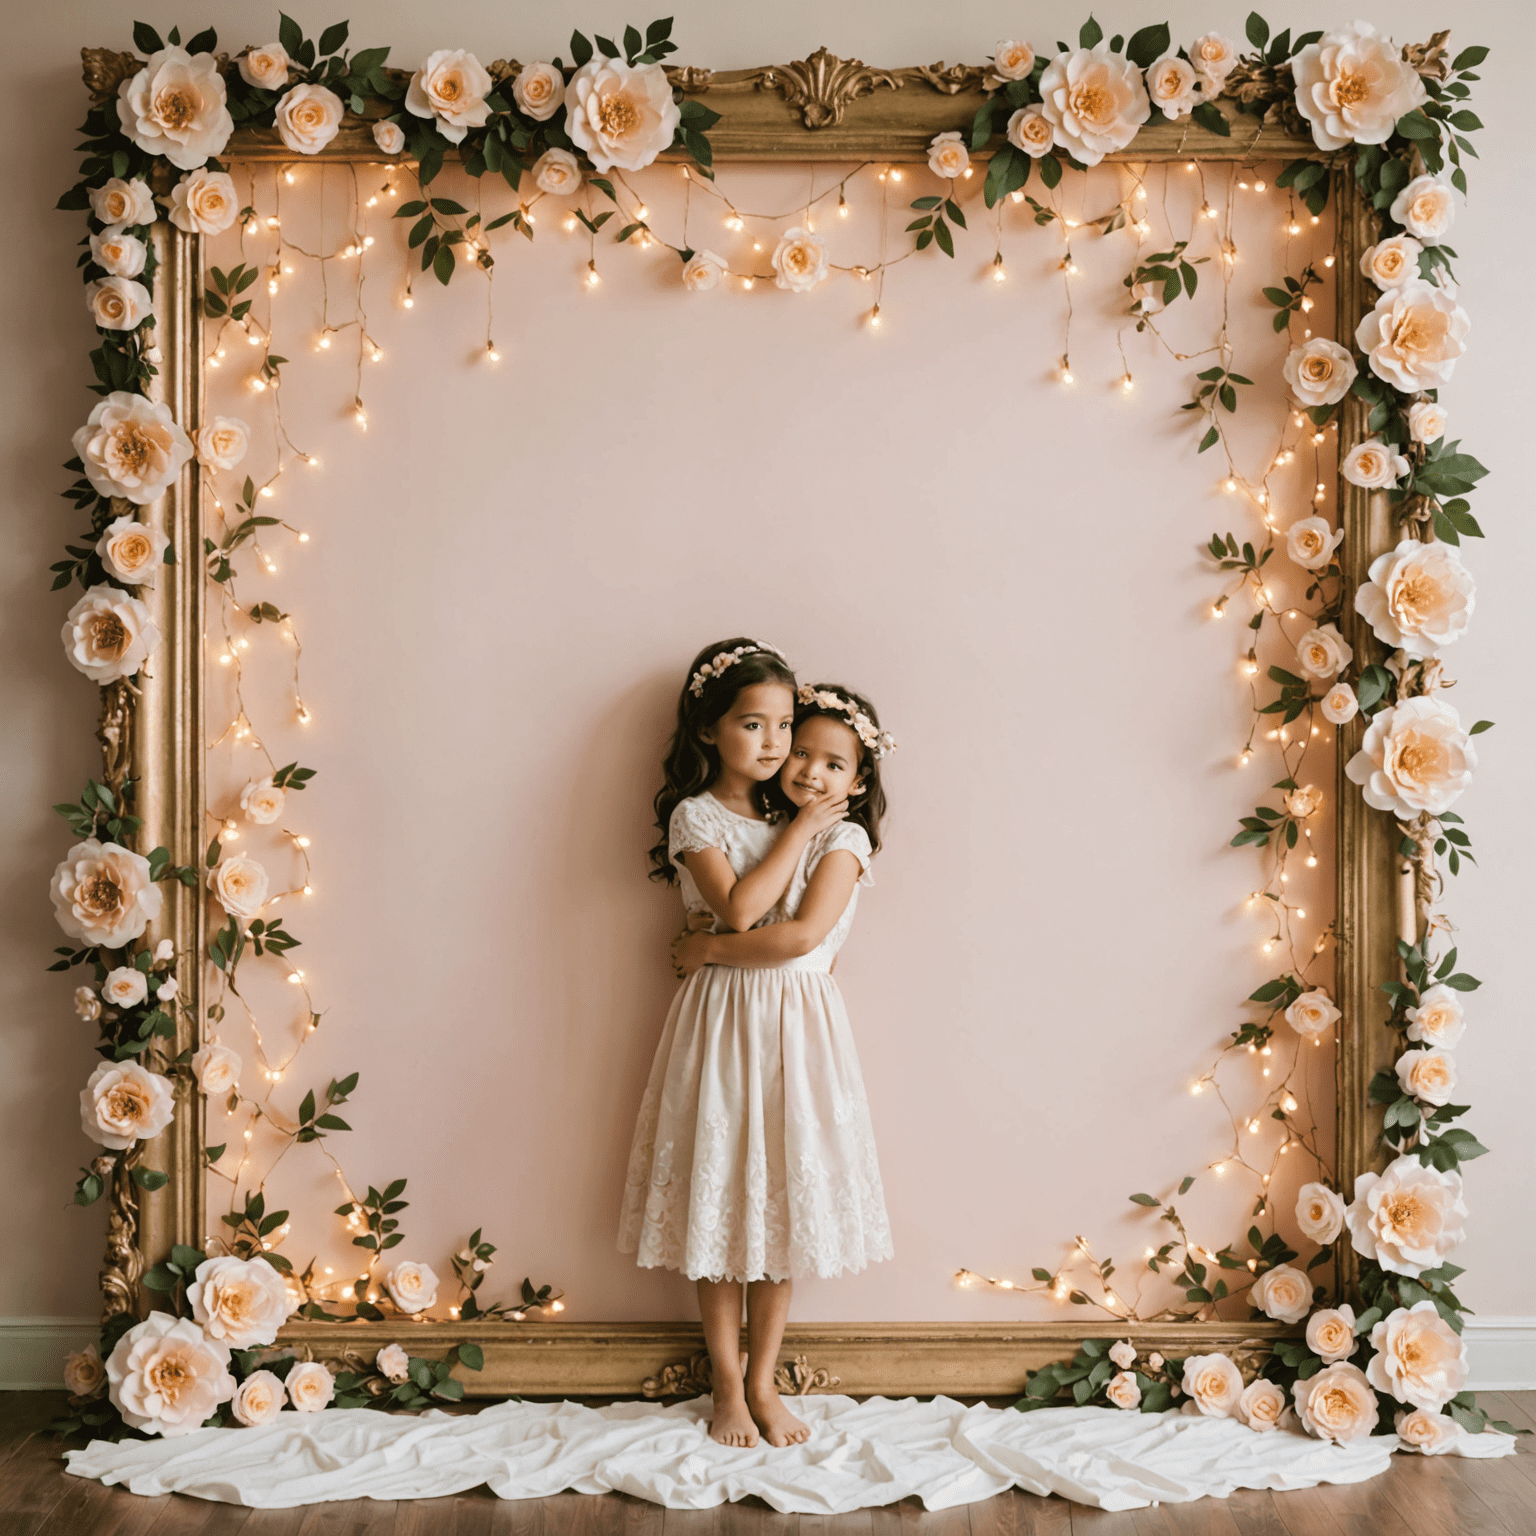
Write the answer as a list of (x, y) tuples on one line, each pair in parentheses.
[(753, 1158)]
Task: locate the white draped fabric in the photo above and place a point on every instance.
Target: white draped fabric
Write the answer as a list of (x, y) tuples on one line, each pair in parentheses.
[(859, 1454)]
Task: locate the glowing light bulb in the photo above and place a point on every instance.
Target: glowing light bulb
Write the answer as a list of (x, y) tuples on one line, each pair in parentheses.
[(272, 222), (252, 339), (1197, 1089), (303, 538), (1127, 384), (1327, 261), (325, 341), (842, 208), (568, 224), (267, 490), (641, 211), (492, 353), (747, 284), (1260, 185), (1017, 197), (593, 279), (999, 271), (896, 175), (1231, 485), (874, 318), (408, 302), (303, 842)]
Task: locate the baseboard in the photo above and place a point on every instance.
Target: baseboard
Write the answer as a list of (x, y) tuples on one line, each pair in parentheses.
[(1502, 1353), (32, 1349)]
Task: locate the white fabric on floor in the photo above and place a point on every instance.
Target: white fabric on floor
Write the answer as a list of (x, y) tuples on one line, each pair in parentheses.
[(858, 1455)]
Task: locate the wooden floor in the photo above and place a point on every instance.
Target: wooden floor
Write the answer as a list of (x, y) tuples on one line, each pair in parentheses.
[(1419, 1496)]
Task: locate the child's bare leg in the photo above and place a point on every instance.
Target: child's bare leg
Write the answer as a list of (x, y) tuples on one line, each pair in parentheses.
[(767, 1313), (720, 1307)]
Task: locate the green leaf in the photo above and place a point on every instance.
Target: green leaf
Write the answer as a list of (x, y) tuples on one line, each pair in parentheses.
[(471, 1356), (442, 264), (1090, 34), (1148, 45), (1258, 30), (333, 39), (1210, 117), (1146, 1200), (145, 38), (289, 35), (150, 1178)]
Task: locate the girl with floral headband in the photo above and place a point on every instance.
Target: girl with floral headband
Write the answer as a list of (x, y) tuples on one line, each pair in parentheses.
[(754, 1158)]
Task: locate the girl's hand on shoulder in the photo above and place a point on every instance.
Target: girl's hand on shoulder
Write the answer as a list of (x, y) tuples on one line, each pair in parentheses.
[(821, 814), (690, 953)]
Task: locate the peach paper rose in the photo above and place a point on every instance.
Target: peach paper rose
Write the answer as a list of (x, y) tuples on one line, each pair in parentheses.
[(118, 303), (1426, 421), (1438, 1020), (1319, 372), (239, 1302), (394, 1363), (123, 1103), (308, 118), (1419, 597), (1427, 1074), (125, 987), (1323, 652), (204, 202), (1373, 466), (222, 443), (1013, 61), (85, 1372), (451, 88), (1304, 802), (265, 67), (1214, 58), (1319, 1213), (175, 106), (166, 1378), (1391, 263), (622, 115), (1409, 1218), (1283, 1293), (1029, 129), (1123, 1353), (412, 1286), (1331, 1334), (1425, 208), (1430, 1434), (239, 884), (1420, 1359), (102, 894), (1414, 757), (390, 137), (947, 155), (258, 1399), (1339, 705), (310, 1386), (558, 172), (1123, 1390), (108, 635), (1262, 1405), (131, 552), (1312, 1014), (1173, 86), (799, 260), (1352, 87), (1310, 542), (1095, 100), (1214, 1384), (125, 203), (1414, 335), (1336, 1404), (117, 253), (703, 271), (539, 91), (216, 1068), (262, 801), (131, 448)]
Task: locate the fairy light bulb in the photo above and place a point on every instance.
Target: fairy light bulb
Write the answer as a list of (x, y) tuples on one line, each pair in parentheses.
[(568, 224), (874, 318), (1127, 384), (492, 353), (408, 302), (325, 341), (999, 271), (1066, 370), (1017, 197), (593, 279), (842, 206), (896, 175)]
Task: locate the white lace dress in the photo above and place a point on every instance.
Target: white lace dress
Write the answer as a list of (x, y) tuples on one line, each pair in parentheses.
[(753, 1156)]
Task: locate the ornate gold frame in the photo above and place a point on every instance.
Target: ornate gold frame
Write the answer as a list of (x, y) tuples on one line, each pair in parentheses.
[(817, 109)]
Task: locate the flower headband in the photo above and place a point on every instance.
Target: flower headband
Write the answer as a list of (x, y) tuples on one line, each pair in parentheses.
[(727, 659), (877, 742)]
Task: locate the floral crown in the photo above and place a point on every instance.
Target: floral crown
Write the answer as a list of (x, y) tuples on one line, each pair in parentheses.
[(877, 742), (727, 659)]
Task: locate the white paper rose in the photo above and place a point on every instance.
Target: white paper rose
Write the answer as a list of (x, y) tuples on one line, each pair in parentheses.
[(1373, 466), (1339, 705), (258, 1399), (108, 635), (102, 894), (1123, 1390), (394, 1363), (1430, 1434), (1029, 129), (1331, 1334), (1414, 757), (127, 203), (1214, 1384), (1420, 1359), (118, 303), (262, 802), (1214, 58), (265, 67), (1352, 86), (239, 1302), (1304, 802), (1173, 86), (87, 1005), (1310, 542), (1438, 1020), (204, 202), (1312, 1014), (1094, 100), (1391, 263), (1123, 1353), (1426, 421), (558, 172), (175, 106), (703, 271), (1419, 597), (1414, 335), (1336, 1404), (1409, 1218), (125, 987), (1283, 1293), (1319, 1213), (1013, 61), (166, 1378), (390, 137), (413, 1286), (1323, 652), (621, 115), (239, 884), (216, 1068), (947, 155), (1262, 1405), (799, 260), (131, 448), (85, 1372), (118, 254), (1319, 372), (308, 118), (223, 442), (123, 1102), (1425, 208), (539, 91), (1428, 1074), (310, 1386), (130, 552), (451, 88)]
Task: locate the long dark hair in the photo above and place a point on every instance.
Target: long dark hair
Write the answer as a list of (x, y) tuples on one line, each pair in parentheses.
[(691, 764), (867, 807)]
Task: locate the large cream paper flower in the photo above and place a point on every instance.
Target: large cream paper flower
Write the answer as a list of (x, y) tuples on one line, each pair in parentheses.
[(799, 260), (558, 172), (127, 203), (1430, 1434), (1409, 1218), (1029, 129), (1123, 1390), (1373, 465), (125, 987), (1419, 597), (310, 1386), (222, 443), (1319, 372), (130, 447), (1312, 1014), (102, 894), (1095, 101), (265, 67), (1438, 1020), (390, 137), (1331, 1333), (1414, 757), (258, 1399), (1339, 705), (1310, 542), (175, 107), (1391, 263), (622, 115), (1013, 61), (1352, 86), (204, 202), (1420, 1359), (1283, 1293), (413, 1286), (85, 1372), (166, 1378), (703, 271), (1319, 1213), (1323, 652), (240, 1302), (1213, 1384), (1426, 421), (262, 801), (1414, 335), (1173, 86), (130, 552), (451, 88), (122, 1103), (1336, 1404), (1214, 58), (239, 883), (1262, 1405), (108, 635), (1425, 208), (394, 1363), (539, 91), (119, 254), (308, 118), (216, 1068), (1428, 1074), (118, 303)]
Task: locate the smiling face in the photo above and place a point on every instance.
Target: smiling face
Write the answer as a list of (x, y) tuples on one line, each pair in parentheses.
[(753, 735), (823, 762)]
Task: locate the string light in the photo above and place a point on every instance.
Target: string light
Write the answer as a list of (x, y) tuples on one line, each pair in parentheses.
[(492, 353), (874, 318), (593, 279)]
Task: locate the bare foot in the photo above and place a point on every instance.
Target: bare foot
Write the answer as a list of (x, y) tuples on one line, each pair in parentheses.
[(775, 1420), (732, 1422)]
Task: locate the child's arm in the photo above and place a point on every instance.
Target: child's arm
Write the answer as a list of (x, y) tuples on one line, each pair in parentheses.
[(826, 899), (739, 903)]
